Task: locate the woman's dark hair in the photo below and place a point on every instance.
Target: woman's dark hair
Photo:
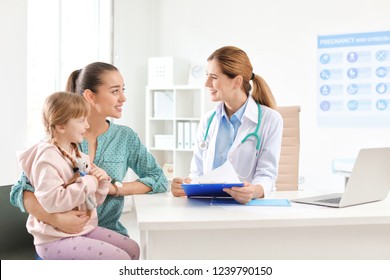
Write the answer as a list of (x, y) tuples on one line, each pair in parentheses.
[(89, 77)]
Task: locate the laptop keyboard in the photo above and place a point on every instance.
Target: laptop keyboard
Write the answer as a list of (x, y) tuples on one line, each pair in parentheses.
[(335, 200)]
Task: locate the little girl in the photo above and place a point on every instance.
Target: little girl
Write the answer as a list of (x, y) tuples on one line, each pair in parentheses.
[(53, 167)]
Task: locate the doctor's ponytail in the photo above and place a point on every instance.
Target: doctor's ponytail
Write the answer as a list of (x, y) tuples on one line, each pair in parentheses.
[(262, 93)]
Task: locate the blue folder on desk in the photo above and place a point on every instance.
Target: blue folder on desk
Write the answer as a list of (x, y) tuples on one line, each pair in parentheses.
[(208, 190)]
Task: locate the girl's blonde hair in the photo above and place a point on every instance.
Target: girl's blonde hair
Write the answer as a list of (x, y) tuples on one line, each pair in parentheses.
[(60, 107), (233, 62)]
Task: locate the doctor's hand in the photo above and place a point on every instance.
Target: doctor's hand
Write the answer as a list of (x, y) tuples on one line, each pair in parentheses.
[(176, 188), (246, 193)]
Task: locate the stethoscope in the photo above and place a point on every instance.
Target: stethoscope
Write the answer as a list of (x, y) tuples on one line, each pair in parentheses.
[(203, 145)]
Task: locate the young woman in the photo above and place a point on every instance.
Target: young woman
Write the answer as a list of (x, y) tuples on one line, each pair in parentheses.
[(244, 129), (64, 179), (114, 148)]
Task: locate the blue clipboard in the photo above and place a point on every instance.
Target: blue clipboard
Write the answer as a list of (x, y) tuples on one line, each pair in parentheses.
[(209, 190)]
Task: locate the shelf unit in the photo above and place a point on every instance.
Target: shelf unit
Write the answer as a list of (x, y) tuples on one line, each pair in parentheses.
[(166, 107)]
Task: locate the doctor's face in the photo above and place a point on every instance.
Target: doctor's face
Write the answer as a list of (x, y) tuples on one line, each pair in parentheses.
[(219, 84)]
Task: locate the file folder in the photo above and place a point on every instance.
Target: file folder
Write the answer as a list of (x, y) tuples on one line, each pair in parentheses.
[(187, 136), (180, 135), (194, 127)]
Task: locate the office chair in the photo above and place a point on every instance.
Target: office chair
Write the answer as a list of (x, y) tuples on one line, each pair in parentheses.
[(15, 242), (289, 155)]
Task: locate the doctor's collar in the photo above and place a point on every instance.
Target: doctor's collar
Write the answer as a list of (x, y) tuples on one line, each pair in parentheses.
[(238, 114)]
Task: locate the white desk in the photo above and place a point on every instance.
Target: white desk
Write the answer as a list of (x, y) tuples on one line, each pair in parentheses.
[(182, 228)]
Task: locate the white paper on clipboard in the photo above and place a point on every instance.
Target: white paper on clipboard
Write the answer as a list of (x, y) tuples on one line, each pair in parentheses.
[(223, 174)]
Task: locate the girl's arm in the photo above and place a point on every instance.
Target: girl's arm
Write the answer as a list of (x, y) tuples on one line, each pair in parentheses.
[(50, 174), (104, 183)]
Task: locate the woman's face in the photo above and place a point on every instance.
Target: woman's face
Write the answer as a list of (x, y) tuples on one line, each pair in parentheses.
[(219, 84), (110, 96)]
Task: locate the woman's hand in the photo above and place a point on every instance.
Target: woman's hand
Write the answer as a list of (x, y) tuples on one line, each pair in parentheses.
[(246, 193), (176, 188), (70, 222)]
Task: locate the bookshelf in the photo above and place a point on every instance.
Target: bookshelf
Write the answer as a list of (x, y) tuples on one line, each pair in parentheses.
[(171, 114)]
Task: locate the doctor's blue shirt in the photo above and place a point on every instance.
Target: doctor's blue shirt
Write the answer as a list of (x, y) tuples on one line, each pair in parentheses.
[(227, 132)]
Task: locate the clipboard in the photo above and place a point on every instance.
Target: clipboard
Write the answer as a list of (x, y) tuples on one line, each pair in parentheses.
[(209, 189)]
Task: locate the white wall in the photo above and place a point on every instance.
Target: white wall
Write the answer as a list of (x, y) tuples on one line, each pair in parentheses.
[(279, 37), (13, 76), (132, 33)]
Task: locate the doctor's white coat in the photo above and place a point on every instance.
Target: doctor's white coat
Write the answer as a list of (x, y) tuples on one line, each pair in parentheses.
[(256, 167)]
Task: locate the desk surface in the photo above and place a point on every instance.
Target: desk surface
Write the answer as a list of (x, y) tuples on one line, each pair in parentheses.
[(181, 228), (161, 211)]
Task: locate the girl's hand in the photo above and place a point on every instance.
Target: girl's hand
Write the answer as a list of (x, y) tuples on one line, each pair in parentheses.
[(99, 173)]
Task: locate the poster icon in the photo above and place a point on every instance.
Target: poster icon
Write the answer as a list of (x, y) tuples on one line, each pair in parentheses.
[(352, 57)]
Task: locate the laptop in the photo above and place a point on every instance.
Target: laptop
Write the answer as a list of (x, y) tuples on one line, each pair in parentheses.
[(369, 181)]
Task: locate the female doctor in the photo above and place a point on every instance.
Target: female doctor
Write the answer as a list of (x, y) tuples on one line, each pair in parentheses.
[(244, 129)]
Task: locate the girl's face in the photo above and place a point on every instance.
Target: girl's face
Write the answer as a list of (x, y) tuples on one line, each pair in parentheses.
[(109, 99), (220, 85), (73, 131)]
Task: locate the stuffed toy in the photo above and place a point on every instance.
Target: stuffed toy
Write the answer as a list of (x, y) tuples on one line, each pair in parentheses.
[(82, 166), (81, 169)]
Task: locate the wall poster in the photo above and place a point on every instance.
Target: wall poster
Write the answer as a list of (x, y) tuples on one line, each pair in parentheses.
[(353, 88)]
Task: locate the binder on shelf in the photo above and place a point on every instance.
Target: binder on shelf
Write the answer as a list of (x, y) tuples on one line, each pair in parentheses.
[(194, 127), (180, 135), (163, 105), (187, 136)]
